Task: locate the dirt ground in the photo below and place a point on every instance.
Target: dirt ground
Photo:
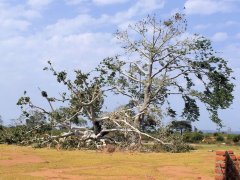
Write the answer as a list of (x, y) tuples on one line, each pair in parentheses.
[(28, 163), (171, 172)]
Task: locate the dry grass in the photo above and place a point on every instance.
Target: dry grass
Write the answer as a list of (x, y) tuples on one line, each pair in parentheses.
[(28, 163)]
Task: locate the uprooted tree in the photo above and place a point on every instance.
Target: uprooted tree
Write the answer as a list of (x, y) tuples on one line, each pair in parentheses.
[(161, 65)]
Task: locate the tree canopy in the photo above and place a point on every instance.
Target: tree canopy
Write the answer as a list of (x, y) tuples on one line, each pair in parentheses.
[(163, 61)]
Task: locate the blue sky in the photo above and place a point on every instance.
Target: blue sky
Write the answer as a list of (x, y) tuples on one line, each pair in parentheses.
[(78, 34)]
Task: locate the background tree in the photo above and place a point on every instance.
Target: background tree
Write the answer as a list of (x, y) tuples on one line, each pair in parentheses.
[(181, 126), (35, 118), (161, 62), (65, 113)]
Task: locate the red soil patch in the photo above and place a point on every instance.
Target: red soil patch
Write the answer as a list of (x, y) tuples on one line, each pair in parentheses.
[(172, 173), (181, 172), (53, 174), (14, 159), (66, 174)]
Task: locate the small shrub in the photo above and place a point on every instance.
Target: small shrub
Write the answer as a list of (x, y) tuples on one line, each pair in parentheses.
[(197, 137), (207, 136), (220, 138), (236, 138), (230, 137), (178, 144), (194, 137), (187, 137)]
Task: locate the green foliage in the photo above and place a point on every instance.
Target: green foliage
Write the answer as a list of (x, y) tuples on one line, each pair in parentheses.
[(22, 134), (220, 138), (84, 100), (14, 135), (64, 113), (35, 118), (230, 137), (178, 145), (70, 143), (209, 138), (194, 137), (236, 138), (182, 126), (149, 123)]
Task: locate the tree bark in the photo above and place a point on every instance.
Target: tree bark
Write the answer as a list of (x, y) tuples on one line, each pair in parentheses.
[(137, 122), (97, 127), (147, 90)]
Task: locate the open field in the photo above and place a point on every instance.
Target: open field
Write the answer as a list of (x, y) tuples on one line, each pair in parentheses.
[(28, 163)]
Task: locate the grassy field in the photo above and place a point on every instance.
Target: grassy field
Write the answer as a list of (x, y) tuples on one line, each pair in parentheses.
[(28, 163)]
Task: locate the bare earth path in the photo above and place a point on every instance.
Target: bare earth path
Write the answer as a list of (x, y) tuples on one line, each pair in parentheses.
[(28, 163)]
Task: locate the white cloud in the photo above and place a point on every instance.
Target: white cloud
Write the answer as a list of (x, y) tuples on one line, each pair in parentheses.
[(15, 18), (85, 22), (75, 2), (202, 26), (69, 26), (96, 2), (207, 7), (220, 36), (38, 4), (67, 51), (231, 23), (23, 59), (31, 14), (138, 9), (238, 35), (232, 53), (14, 24), (108, 2)]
